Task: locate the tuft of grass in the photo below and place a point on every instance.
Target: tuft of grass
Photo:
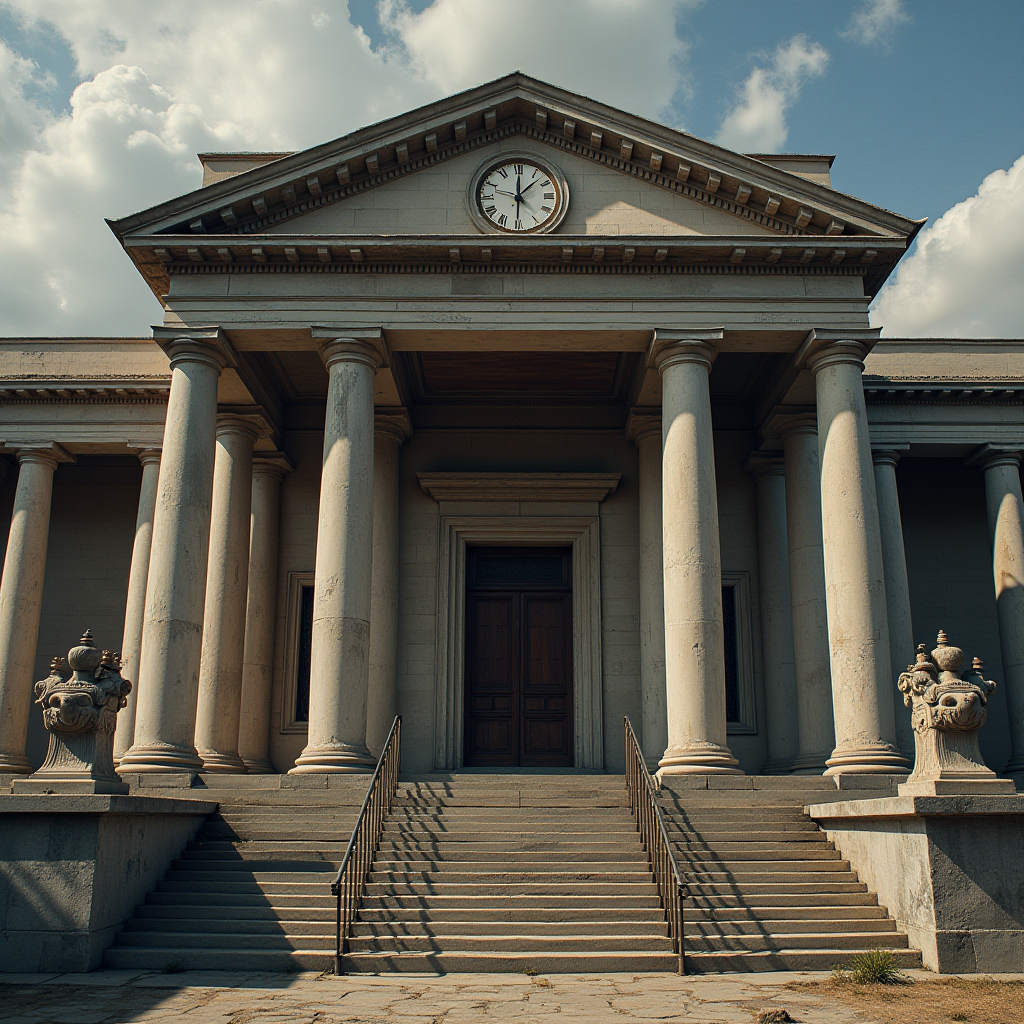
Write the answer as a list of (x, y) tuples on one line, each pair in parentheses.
[(529, 971), (876, 967), (174, 967), (959, 1016), (773, 1015)]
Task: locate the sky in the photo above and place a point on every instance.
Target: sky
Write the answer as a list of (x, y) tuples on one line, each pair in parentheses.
[(104, 104)]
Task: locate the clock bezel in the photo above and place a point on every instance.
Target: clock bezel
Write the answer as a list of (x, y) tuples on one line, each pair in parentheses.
[(499, 159)]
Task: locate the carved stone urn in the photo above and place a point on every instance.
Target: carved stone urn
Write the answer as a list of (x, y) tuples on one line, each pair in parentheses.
[(947, 711), (80, 713)]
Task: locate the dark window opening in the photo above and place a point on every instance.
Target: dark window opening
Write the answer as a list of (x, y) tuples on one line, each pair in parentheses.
[(732, 675), (303, 659)]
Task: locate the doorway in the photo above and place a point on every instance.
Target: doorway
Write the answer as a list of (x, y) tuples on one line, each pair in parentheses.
[(518, 667)]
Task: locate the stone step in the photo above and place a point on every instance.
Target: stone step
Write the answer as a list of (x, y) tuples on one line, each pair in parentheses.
[(825, 912), (569, 888), (798, 959), (501, 943), (517, 902), (807, 885), (802, 940), (854, 894), (559, 875), (472, 861), (772, 926), (368, 929), (770, 853)]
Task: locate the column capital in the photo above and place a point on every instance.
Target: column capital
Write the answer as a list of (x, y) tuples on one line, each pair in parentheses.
[(888, 455), (669, 347), (207, 345), (359, 345), (146, 451), (782, 422), (275, 464), (48, 453), (241, 424), (765, 464), (988, 456), (825, 347), (643, 422), (392, 421)]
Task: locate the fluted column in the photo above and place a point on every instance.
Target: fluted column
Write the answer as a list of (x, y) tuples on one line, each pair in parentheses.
[(268, 470), (135, 607), (227, 586), (1005, 518), (21, 598), (897, 586), (854, 584), (644, 429), (340, 655), (694, 629), (172, 634), (799, 433), (391, 429), (781, 703)]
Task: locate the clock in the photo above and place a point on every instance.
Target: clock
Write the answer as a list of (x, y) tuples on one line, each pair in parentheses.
[(518, 193)]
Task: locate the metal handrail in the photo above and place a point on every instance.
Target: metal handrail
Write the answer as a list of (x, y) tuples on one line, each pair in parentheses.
[(642, 791), (348, 884)]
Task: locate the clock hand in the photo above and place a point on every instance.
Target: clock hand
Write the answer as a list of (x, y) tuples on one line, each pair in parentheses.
[(528, 187)]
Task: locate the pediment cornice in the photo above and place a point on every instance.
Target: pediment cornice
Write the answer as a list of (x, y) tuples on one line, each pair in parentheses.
[(699, 171)]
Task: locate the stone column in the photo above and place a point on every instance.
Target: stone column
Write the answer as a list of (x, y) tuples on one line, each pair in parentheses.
[(340, 655), (135, 607), (769, 472), (21, 598), (799, 433), (1005, 518), (854, 581), (694, 630), (391, 429), (227, 586), (897, 586), (172, 634), (268, 470), (644, 429)]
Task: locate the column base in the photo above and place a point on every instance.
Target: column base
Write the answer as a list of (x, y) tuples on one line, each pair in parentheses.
[(779, 766), (339, 759), (225, 764), (14, 764), (702, 759), (160, 758), (262, 766), (1014, 768), (874, 759), (814, 763)]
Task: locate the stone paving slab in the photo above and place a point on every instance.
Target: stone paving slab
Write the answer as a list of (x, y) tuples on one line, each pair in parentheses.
[(215, 997)]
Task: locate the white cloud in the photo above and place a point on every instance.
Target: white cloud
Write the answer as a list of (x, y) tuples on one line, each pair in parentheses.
[(757, 124), (623, 52), (161, 82), (874, 23), (964, 279)]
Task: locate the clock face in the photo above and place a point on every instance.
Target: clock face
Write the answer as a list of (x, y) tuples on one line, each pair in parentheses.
[(519, 196)]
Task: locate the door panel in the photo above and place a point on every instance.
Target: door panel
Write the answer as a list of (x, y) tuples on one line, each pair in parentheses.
[(518, 698)]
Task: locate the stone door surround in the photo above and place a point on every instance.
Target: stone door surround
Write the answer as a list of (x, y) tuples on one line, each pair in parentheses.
[(519, 509)]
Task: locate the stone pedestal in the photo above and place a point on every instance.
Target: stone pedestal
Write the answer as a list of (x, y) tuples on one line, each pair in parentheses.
[(694, 630), (950, 870)]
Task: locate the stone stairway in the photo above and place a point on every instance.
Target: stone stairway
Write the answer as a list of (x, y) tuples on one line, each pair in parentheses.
[(509, 874), (505, 873), (768, 890)]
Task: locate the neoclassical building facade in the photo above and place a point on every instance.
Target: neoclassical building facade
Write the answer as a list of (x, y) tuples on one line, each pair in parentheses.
[(512, 415)]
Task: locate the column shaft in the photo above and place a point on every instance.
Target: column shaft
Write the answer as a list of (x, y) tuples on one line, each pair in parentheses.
[(854, 584), (897, 589), (340, 655), (1005, 519), (227, 586), (135, 607), (21, 600), (694, 629), (646, 431), (781, 701), (172, 633), (807, 593), (261, 614), (391, 429)]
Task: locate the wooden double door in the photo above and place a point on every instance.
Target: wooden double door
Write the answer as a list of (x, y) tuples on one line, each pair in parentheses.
[(518, 668)]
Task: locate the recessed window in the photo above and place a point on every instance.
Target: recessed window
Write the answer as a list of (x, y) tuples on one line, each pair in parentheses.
[(303, 654)]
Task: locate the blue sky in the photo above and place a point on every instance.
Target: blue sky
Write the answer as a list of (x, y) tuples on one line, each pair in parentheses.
[(103, 105)]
